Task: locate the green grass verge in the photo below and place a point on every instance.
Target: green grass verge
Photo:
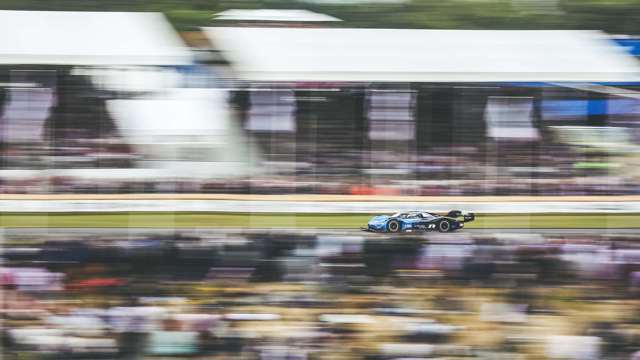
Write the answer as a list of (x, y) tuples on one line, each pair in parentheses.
[(281, 220)]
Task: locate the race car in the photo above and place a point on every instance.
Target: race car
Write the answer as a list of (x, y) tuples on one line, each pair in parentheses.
[(415, 221)]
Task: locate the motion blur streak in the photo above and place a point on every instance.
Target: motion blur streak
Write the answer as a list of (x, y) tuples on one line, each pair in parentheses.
[(185, 180)]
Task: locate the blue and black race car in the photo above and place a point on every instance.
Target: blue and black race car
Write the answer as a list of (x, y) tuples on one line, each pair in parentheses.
[(415, 221)]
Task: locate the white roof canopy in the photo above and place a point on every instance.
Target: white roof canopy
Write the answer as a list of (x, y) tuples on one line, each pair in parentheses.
[(400, 55), (274, 15), (89, 38)]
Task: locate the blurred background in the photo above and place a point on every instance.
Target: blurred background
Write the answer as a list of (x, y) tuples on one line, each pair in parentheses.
[(216, 97), (185, 114)]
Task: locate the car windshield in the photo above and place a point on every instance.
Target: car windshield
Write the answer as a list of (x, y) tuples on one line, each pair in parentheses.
[(407, 215), (427, 216)]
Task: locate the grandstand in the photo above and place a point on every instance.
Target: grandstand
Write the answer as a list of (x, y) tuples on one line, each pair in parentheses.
[(310, 110), (116, 95), (381, 104)]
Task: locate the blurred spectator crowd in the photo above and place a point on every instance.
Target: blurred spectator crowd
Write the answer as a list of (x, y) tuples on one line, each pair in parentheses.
[(326, 295)]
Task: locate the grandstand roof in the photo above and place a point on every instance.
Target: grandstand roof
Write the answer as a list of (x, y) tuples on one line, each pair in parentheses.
[(89, 38), (404, 55)]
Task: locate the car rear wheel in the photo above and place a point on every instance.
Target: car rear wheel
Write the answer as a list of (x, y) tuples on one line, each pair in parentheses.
[(393, 226), (444, 226)]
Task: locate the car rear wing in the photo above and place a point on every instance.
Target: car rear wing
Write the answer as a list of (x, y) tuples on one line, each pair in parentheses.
[(455, 214)]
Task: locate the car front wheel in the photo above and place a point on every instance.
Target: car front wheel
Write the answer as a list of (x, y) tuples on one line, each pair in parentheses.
[(393, 226)]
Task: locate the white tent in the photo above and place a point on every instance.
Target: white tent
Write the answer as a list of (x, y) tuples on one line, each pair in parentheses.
[(189, 132), (179, 113), (274, 15), (400, 55), (89, 38)]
